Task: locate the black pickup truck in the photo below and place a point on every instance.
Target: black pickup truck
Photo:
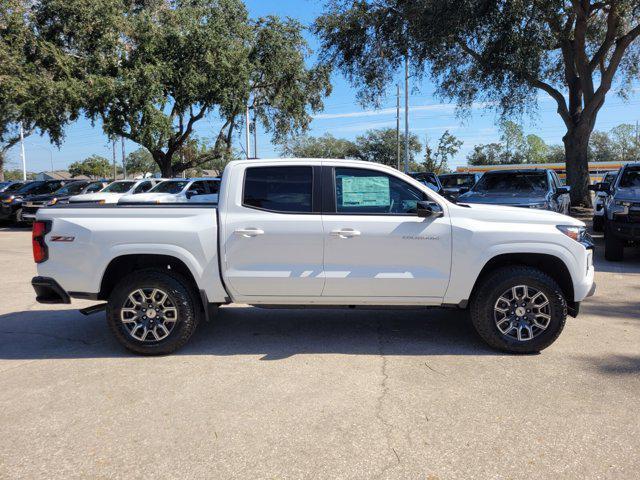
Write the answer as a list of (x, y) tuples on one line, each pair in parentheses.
[(621, 211)]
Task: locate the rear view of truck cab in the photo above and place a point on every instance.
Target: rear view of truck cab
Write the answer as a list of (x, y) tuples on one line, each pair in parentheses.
[(327, 233)]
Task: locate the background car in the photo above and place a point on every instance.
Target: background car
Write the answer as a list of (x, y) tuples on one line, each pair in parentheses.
[(521, 188), (10, 186), (179, 191), (455, 184), (599, 201), (621, 211), (112, 192), (428, 179), (11, 202), (32, 203)]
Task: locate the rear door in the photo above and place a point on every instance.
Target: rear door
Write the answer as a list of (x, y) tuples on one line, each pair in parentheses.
[(375, 244), (272, 232)]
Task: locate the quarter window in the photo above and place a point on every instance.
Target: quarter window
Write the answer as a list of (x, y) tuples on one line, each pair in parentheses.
[(279, 189), (361, 191)]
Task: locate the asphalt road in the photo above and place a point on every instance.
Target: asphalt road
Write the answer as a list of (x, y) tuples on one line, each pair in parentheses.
[(279, 394)]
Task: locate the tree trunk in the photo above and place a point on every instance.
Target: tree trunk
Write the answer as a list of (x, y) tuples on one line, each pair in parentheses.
[(576, 147), (164, 162)]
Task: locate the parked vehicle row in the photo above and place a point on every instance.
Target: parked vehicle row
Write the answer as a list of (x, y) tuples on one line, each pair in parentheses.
[(20, 201), (620, 197)]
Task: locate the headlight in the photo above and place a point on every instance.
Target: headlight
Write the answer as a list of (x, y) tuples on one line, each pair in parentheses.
[(576, 233), (9, 199), (542, 205), (52, 202)]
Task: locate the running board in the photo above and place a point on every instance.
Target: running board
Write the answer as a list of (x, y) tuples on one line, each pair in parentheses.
[(93, 309)]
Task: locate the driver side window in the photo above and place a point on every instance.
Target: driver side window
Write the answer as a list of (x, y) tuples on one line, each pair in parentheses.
[(362, 191)]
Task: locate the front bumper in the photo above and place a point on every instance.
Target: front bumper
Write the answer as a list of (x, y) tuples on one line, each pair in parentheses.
[(8, 211), (49, 291)]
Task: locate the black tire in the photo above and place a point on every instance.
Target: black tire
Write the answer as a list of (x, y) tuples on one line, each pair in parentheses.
[(180, 297), (598, 223), (492, 287), (613, 246)]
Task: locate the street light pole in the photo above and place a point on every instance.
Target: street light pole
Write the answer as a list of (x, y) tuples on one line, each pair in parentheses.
[(398, 127), (406, 113), (24, 161)]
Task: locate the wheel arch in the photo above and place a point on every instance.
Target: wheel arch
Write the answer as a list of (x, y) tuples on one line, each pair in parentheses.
[(550, 264)]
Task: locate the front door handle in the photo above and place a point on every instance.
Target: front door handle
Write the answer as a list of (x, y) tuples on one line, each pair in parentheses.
[(249, 232), (345, 233)]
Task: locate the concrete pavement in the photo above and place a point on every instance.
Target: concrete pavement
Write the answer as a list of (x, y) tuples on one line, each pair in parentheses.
[(280, 394)]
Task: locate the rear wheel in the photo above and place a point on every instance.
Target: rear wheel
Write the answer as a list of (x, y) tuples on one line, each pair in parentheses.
[(519, 310), (152, 312), (613, 246)]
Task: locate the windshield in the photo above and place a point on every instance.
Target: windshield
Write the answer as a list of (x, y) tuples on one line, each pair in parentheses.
[(71, 189), (30, 187), (169, 187), (630, 178), (119, 187), (609, 177), (512, 182), (449, 181), (14, 187)]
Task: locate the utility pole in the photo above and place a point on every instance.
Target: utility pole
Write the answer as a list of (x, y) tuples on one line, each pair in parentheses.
[(637, 139), (247, 137), (398, 126), (124, 163), (113, 148), (22, 156), (255, 137), (406, 113)]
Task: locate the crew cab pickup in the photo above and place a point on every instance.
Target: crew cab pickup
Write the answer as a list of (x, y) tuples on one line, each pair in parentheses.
[(322, 233)]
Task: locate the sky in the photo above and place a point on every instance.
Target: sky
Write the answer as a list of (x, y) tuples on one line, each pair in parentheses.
[(342, 116)]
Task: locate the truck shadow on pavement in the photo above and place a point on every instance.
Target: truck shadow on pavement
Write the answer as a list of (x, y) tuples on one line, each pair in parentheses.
[(273, 334)]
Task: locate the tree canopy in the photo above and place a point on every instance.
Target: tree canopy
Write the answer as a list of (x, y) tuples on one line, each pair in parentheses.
[(326, 146), (497, 53), (380, 146), (94, 166)]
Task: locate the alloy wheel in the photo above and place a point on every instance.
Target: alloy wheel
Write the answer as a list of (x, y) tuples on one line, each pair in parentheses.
[(522, 313), (149, 314)]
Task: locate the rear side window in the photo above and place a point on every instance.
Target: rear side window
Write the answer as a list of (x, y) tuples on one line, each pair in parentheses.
[(214, 186), (143, 187), (279, 189)]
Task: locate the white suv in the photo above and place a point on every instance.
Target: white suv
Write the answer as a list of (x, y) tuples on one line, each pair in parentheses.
[(112, 192)]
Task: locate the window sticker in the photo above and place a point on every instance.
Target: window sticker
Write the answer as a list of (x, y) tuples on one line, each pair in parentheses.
[(365, 192)]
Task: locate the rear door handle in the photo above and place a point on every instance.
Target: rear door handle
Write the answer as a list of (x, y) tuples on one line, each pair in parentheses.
[(249, 232), (345, 233)]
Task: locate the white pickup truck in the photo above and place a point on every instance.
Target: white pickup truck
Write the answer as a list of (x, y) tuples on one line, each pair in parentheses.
[(327, 233)]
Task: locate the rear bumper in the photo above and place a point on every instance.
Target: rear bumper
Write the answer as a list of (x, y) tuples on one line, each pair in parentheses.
[(49, 291)]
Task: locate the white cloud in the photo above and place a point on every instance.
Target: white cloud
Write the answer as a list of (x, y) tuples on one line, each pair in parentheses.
[(383, 111)]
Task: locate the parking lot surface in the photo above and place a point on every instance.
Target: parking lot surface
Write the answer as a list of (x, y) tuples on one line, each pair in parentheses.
[(282, 394)]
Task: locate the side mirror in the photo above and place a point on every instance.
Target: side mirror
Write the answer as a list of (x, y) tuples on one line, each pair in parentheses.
[(564, 189), (600, 187), (428, 209), (190, 193), (462, 190)]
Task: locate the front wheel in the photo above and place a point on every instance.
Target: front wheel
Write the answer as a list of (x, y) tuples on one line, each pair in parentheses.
[(613, 246), (152, 312), (518, 310), (598, 222)]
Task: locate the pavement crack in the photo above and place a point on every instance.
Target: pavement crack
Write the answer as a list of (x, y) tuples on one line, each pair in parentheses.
[(384, 392)]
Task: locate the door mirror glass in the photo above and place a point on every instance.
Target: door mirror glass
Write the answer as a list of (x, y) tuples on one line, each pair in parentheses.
[(563, 189), (425, 209), (600, 187)]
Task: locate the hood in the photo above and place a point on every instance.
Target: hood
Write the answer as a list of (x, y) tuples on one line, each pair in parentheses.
[(153, 198), (628, 194), (502, 214), (108, 197), (502, 198), (45, 197)]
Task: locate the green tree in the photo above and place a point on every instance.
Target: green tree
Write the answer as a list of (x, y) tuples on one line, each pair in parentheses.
[(140, 161), (514, 142), (381, 146), (326, 146), (536, 149), (626, 142), (501, 53), (487, 154), (602, 148), (152, 70), (438, 161), (95, 166)]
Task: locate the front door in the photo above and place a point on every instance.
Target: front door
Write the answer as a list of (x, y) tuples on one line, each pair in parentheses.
[(273, 235), (376, 245)]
